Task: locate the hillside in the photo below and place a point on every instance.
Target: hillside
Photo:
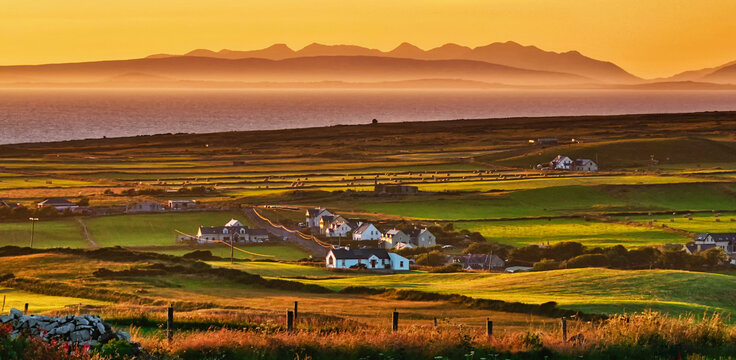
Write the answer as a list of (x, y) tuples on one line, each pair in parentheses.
[(307, 69), (508, 53)]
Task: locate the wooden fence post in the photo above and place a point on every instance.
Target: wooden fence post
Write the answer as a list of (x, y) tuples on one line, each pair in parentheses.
[(170, 323), (564, 329), (3, 310), (25, 310), (395, 321), (296, 309), (489, 327), (289, 320), (435, 322)]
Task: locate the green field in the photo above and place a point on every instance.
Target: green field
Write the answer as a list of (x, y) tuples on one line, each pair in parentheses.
[(565, 200), (153, 229), (285, 252), (589, 233), (48, 234), (591, 290), (700, 223), (38, 303)]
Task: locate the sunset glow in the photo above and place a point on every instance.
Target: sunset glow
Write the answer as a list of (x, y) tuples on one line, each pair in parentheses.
[(649, 38)]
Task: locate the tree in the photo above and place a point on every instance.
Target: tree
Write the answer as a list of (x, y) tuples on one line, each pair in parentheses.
[(586, 260), (713, 257), (432, 258), (546, 264)]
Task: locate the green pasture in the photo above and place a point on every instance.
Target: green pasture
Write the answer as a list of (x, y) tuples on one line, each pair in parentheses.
[(279, 270), (594, 290), (41, 182), (630, 153), (38, 303), (564, 200), (589, 233), (153, 229), (276, 252), (700, 223), (47, 234)]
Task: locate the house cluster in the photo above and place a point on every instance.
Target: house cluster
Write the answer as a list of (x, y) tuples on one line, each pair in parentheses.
[(335, 226), (565, 163), (706, 241), (233, 231), (152, 206)]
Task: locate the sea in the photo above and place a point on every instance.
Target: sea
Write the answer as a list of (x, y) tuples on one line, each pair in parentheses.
[(41, 115)]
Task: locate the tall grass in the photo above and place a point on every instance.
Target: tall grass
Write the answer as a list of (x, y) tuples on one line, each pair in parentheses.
[(646, 335)]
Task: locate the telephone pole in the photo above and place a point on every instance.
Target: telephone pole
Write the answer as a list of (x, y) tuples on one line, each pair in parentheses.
[(33, 229)]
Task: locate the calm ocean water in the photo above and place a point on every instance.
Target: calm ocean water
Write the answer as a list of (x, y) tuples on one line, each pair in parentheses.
[(30, 115)]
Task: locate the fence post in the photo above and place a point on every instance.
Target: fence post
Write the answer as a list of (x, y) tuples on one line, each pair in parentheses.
[(3, 310), (435, 322), (395, 321), (170, 323), (489, 327), (564, 329), (25, 310), (289, 320), (296, 309)]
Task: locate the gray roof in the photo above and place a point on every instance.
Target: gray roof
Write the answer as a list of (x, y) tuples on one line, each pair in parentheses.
[(57, 202), (360, 253), (362, 228), (314, 212), (717, 236), (415, 233), (694, 248), (211, 230), (393, 232)]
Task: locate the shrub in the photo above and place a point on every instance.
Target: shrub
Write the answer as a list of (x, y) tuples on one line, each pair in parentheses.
[(587, 260), (449, 268), (432, 258), (546, 264)]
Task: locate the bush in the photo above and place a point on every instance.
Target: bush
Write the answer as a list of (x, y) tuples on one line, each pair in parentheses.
[(587, 260), (449, 268), (546, 264), (432, 258)]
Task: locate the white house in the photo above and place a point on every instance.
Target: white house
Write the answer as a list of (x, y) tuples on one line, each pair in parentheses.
[(336, 226), (366, 231), (234, 230), (60, 204), (144, 207), (182, 204), (422, 238), (561, 163), (315, 215), (585, 165), (393, 237), (371, 259)]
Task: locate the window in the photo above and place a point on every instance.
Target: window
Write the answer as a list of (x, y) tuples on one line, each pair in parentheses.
[(401, 264), (330, 260)]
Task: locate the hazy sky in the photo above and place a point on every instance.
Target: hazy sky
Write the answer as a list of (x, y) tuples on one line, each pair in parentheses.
[(646, 37)]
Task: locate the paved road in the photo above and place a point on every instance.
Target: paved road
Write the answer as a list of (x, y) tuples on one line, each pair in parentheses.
[(314, 248)]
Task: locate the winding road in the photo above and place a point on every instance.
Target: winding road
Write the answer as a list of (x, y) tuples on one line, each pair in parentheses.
[(314, 248)]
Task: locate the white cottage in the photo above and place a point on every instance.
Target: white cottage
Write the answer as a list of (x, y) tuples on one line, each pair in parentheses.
[(561, 163), (371, 259), (315, 215), (366, 231)]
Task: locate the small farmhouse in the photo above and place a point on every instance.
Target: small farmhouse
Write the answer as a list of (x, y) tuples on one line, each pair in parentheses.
[(181, 204), (585, 165), (705, 241), (58, 203), (479, 261), (371, 259), (366, 231), (144, 207), (233, 230), (392, 238), (561, 163), (422, 238), (396, 189), (4, 204), (335, 226), (315, 215)]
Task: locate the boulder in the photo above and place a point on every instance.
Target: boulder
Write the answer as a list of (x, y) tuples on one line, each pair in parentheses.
[(15, 313)]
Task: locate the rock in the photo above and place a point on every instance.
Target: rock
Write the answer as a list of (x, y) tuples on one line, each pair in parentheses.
[(5, 318), (79, 336), (15, 313), (100, 328), (122, 335), (65, 329), (82, 321)]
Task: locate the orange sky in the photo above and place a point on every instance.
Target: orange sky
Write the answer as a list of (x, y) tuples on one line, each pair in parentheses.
[(646, 37)]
